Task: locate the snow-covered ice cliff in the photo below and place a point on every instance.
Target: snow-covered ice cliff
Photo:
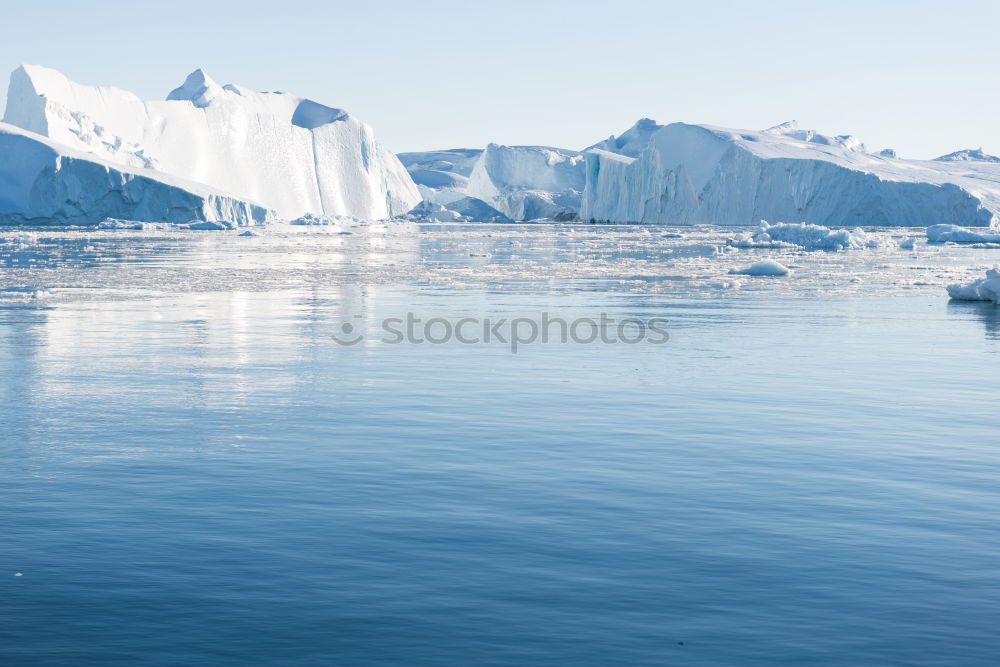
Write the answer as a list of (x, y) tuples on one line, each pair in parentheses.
[(43, 182), (689, 174), (287, 153)]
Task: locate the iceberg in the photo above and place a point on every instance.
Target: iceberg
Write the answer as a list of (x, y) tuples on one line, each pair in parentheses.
[(529, 182), (956, 234), (514, 182), (286, 153), (43, 182), (983, 289), (442, 177), (692, 174), (466, 209), (441, 171)]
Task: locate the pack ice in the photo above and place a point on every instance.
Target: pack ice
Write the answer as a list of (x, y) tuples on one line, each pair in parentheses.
[(690, 174), (277, 151)]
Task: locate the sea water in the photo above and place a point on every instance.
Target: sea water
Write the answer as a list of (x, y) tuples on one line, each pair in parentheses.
[(195, 471)]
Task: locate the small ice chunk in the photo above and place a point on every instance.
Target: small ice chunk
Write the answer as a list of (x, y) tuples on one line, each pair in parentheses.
[(767, 267), (983, 289), (907, 244)]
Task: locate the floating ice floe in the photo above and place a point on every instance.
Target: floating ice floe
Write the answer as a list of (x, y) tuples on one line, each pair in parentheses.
[(767, 267), (194, 225), (207, 226), (956, 234), (310, 220), (115, 223), (804, 235), (983, 289)]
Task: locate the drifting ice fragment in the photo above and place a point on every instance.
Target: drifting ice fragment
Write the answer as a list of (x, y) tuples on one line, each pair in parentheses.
[(984, 289), (767, 267)]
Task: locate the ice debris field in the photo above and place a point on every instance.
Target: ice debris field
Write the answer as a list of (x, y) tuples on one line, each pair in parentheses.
[(129, 260)]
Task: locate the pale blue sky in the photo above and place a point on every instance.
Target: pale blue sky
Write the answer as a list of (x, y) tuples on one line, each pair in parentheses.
[(921, 77)]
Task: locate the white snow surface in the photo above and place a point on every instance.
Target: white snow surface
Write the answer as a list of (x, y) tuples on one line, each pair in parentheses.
[(983, 289), (692, 174), (44, 182), (287, 153)]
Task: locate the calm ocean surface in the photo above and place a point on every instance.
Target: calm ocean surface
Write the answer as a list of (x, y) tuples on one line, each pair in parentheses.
[(207, 478)]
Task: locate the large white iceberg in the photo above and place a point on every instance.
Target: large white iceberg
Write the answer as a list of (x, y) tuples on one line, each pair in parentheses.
[(690, 174), (43, 182), (287, 153)]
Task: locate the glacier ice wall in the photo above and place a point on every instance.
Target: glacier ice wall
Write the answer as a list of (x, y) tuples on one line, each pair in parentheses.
[(689, 174), (289, 154), (42, 182)]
